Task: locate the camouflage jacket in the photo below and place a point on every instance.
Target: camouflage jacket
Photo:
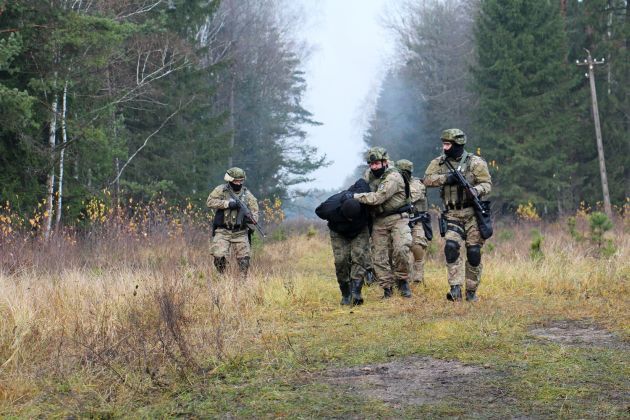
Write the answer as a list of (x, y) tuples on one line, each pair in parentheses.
[(473, 167), (219, 200), (418, 194), (388, 193)]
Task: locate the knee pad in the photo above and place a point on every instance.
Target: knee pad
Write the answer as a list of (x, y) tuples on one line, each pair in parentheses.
[(473, 254), (451, 251), (418, 252)]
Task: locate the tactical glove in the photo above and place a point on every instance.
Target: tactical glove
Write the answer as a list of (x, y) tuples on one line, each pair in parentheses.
[(451, 179), (233, 204)]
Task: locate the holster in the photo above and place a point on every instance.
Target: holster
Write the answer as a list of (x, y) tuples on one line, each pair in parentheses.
[(442, 224), (484, 220), (426, 225)]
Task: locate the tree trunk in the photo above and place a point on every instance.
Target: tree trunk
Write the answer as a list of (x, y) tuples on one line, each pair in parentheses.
[(64, 139), (50, 181), (232, 125)]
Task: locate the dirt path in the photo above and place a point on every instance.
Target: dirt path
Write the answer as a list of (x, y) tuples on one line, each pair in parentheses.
[(433, 386)]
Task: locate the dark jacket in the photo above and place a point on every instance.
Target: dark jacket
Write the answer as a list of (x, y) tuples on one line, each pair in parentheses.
[(330, 210)]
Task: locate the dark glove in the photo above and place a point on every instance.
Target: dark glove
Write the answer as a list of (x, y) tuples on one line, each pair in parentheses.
[(233, 204), (347, 196), (451, 179)]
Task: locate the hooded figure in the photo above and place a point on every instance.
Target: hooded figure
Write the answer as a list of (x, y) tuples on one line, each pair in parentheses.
[(348, 222)]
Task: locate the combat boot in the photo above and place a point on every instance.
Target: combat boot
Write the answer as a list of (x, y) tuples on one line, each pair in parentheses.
[(243, 265), (345, 293), (220, 263), (357, 299), (404, 288), (455, 294), (387, 292), (471, 295)]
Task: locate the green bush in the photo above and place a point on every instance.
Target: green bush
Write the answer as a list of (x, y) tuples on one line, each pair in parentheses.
[(600, 224), (535, 248)]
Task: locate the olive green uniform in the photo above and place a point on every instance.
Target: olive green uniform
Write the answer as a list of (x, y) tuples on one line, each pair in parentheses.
[(228, 235), (419, 242), (391, 236), (462, 229)]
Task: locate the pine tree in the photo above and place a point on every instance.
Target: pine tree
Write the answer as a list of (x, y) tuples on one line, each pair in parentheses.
[(524, 122)]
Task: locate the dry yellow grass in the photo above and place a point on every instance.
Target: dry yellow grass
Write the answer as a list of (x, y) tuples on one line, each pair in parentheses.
[(130, 334)]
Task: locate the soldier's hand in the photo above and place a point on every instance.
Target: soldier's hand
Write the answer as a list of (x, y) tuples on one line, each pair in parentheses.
[(451, 179), (473, 192), (233, 204)]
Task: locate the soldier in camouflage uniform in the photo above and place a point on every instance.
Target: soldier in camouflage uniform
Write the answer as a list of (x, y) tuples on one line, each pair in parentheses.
[(391, 236), (231, 232), (462, 230), (420, 242)]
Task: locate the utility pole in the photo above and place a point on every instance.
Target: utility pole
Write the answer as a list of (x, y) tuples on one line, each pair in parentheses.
[(598, 131)]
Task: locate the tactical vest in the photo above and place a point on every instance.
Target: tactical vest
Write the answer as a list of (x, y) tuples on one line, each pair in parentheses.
[(455, 195), (397, 200), (226, 218)]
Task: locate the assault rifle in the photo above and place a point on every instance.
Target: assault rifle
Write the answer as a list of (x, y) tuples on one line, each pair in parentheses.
[(424, 218), (245, 212), (482, 208)]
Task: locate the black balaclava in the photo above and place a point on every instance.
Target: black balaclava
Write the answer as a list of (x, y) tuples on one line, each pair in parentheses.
[(455, 151), (379, 172), (235, 187)]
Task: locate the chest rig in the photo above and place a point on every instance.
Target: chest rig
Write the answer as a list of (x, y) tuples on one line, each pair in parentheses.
[(454, 196)]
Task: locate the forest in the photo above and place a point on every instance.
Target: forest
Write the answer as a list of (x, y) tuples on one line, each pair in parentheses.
[(505, 72), (120, 100), (117, 117)]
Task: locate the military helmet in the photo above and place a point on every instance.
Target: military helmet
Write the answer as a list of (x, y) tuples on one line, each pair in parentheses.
[(233, 174), (405, 165), (455, 135), (375, 154)]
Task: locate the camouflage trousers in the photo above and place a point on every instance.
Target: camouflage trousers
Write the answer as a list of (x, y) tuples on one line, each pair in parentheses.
[(352, 256), (462, 228), (391, 240), (419, 244), (225, 240)]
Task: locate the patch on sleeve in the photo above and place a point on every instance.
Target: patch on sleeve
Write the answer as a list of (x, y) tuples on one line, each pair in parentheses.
[(381, 187)]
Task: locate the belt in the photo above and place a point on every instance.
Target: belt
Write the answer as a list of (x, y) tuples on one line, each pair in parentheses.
[(233, 228), (451, 206)]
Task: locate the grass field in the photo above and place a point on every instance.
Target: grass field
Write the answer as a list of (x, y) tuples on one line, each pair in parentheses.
[(148, 329)]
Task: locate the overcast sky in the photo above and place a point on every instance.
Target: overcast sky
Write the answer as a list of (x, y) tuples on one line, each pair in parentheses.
[(351, 52)]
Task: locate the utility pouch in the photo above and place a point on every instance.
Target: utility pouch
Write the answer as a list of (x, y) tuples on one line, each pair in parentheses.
[(484, 220), (442, 225)]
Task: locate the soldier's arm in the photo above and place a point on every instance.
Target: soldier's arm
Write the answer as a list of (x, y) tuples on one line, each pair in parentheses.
[(482, 179), (252, 203), (418, 191), (215, 199), (432, 177), (385, 191)]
